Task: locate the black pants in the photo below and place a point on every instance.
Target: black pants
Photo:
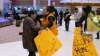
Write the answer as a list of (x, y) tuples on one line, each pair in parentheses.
[(98, 35), (60, 21), (32, 53), (67, 25), (56, 20), (85, 26)]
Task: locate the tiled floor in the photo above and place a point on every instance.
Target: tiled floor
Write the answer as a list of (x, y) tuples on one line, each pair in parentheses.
[(11, 44)]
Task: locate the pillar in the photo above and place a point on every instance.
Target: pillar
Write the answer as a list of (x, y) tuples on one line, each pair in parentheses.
[(49, 2), (34, 4), (1, 5)]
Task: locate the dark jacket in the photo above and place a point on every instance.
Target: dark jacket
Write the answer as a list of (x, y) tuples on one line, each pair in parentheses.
[(61, 13), (30, 26), (67, 18), (83, 18)]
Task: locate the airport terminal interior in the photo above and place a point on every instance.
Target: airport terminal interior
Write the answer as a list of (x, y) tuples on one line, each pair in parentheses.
[(72, 27)]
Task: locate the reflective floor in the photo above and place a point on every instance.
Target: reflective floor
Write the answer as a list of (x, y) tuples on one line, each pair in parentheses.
[(11, 44)]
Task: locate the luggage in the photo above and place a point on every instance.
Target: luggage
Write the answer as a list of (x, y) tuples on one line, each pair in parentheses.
[(47, 43)]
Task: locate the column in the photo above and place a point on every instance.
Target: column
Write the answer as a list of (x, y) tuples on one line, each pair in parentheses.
[(1, 5), (49, 2), (34, 4)]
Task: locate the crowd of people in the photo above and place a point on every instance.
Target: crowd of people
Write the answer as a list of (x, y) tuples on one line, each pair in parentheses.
[(33, 24)]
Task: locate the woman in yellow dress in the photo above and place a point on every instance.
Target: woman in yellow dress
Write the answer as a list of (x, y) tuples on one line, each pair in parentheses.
[(49, 19), (47, 41)]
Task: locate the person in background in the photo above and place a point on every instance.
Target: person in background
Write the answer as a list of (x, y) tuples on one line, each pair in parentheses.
[(16, 17), (66, 12), (86, 12), (98, 35), (30, 25), (77, 15), (61, 17), (5, 12), (67, 20)]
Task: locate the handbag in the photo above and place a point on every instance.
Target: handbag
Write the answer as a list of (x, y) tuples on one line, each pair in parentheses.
[(47, 43)]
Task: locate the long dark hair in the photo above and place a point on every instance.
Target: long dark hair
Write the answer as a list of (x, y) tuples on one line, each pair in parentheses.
[(87, 9), (50, 9)]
